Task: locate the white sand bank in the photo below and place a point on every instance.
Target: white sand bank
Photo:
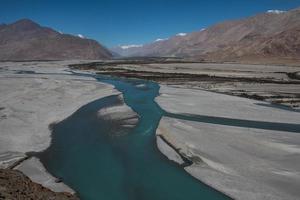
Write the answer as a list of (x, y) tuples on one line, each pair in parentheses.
[(34, 169), (245, 163), (30, 102)]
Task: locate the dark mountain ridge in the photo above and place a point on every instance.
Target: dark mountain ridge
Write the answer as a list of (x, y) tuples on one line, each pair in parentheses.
[(27, 40)]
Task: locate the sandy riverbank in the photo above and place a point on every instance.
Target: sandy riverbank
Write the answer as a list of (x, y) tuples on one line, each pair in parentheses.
[(243, 161), (34, 95), (272, 83)]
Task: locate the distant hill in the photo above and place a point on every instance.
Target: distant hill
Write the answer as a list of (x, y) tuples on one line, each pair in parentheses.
[(27, 40), (125, 51), (270, 36)]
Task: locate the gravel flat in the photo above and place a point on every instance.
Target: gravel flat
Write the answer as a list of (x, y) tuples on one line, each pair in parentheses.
[(233, 142), (33, 96)]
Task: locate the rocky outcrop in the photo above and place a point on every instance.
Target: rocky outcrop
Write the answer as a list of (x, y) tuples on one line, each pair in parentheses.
[(15, 185)]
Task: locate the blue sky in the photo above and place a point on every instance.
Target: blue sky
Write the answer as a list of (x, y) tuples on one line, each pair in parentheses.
[(115, 22)]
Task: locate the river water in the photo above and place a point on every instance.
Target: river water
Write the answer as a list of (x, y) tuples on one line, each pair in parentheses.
[(87, 155)]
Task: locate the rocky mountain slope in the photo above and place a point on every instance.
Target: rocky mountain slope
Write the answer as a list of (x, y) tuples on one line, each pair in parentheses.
[(273, 35), (15, 185), (27, 40)]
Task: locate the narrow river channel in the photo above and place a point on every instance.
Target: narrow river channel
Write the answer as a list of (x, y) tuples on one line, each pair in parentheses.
[(99, 166)]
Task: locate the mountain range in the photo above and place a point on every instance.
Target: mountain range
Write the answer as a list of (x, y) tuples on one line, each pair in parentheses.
[(274, 35), (27, 40)]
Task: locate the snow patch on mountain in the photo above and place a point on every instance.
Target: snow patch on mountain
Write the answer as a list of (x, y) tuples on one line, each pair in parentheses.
[(276, 11), (160, 39), (181, 34), (130, 46)]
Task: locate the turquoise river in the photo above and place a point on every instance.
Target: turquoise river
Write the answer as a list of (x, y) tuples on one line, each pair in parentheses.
[(88, 156)]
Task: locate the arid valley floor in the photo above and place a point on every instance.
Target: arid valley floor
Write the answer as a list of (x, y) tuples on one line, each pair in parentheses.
[(239, 127)]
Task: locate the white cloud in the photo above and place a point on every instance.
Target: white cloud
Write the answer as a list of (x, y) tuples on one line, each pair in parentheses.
[(181, 34), (130, 46), (60, 32), (276, 11), (160, 39), (81, 36), (203, 29)]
